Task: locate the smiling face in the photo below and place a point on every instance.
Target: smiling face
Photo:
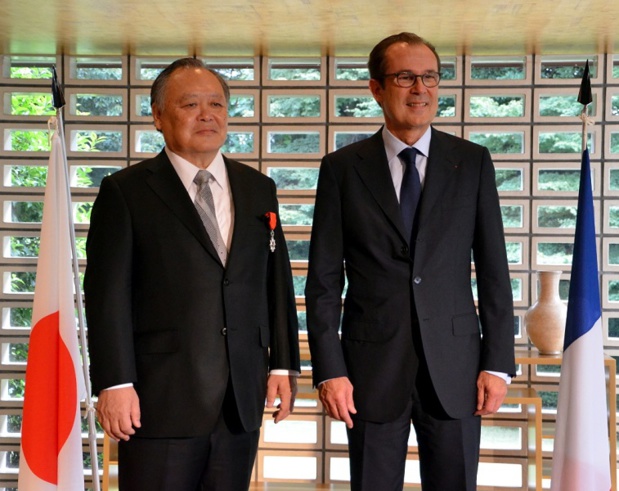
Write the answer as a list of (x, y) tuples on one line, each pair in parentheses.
[(408, 111), (194, 116)]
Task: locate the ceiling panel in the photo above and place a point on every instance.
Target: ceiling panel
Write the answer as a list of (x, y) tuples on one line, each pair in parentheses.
[(289, 27)]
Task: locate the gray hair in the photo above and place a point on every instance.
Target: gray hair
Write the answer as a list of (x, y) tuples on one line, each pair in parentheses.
[(158, 90)]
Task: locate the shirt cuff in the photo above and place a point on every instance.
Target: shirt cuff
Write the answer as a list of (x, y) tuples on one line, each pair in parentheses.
[(119, 386), (504, 376), (282, 371)]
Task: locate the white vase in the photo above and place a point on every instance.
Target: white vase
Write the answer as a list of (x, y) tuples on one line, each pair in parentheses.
[(545, 319)]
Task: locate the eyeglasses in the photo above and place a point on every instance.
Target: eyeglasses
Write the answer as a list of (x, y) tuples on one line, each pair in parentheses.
[(408, 79)]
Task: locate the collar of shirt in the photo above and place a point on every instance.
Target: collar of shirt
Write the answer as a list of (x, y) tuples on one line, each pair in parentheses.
[(393, 146), (187, 171), (220, 187)]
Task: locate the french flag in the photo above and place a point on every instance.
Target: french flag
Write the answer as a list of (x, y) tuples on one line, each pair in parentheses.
[(51, 445), (581, 459)]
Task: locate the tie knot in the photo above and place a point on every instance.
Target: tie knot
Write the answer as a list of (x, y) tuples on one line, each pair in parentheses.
[(408, 155), (202, 177)]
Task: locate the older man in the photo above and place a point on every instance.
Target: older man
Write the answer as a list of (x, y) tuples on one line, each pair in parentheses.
[(189, 300)]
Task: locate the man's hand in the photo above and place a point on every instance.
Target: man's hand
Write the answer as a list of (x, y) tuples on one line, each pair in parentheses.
[(118, 411), (491, 391), (284, 386), (336, 397)]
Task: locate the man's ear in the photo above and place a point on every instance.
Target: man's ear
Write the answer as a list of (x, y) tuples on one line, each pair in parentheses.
[(156, 117), (377, 91)]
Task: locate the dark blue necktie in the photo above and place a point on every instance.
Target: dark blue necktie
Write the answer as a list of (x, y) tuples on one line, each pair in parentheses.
[(410, 192)]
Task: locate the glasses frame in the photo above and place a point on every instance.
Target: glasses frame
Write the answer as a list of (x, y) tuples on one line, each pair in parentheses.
[(414, 77)]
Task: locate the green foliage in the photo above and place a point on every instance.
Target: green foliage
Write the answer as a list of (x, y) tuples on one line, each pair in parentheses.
[(99, 105), (496, 72), (560, 142), (299, 285), (294, 142), (89, 73), (21, 316), (613, 254), (29, 176), (500, 143), (508, 179), (23, 281), (31, 72), (27, 211), (514, 252), (512, 216), (16, 388), (559, 180), (241, 107), (294, 106), (294, 177), (556, 216), (349, 73), (18, 352), (93, 141), (560, 105), (346, 138), (31, 104), (300, 73), (29, 141), (357, 106), (150, 141), (239, 142), (82, 212), (24, 246), (236, 73), (13, 423), (298, 249), (550, 399), (292, 214), (566, 71), (496, 107), (446, 107), (555, 253)]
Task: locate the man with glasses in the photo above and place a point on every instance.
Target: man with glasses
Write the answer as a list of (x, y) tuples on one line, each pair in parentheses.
[(400, 216)]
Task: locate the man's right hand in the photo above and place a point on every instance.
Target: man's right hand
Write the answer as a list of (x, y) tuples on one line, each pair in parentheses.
[(118, 411), (336, 397)]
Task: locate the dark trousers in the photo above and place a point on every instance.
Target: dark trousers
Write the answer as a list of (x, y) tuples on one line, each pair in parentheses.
[(221, 461), (448, 451)]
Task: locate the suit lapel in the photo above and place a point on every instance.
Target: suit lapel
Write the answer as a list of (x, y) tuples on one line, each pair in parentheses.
[(241, 192), (164, 181), (373, 169), (442, 165)]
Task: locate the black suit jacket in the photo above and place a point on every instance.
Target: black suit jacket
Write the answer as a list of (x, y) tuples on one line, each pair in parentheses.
[(163, 312), (358, 232)]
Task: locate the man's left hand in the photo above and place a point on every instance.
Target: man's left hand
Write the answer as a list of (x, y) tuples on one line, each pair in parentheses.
[(491, 391), (284, 386)]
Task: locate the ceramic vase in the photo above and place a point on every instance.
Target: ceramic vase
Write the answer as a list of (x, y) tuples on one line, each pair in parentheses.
[(545, 319)]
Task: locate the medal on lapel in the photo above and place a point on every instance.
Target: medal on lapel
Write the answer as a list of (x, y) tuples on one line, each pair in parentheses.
[(271, 223)]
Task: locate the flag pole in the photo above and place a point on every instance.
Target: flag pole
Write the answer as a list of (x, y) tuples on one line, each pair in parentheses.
[(585, 98), (59, 102)]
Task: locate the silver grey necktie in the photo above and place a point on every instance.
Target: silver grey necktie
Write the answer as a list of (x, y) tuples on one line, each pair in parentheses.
[(206, 209)]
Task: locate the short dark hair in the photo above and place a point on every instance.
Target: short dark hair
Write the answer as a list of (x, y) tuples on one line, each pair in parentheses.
[(376, 61), (157, 91)]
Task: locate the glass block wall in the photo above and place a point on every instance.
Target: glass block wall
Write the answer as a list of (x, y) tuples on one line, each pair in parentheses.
[(285, 114)]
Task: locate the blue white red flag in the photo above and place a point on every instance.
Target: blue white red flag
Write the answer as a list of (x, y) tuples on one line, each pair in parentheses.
[(581, 459)]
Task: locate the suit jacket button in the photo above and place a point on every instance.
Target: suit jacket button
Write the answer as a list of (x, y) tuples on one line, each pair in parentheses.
[(226, 282), (404, 250), (224, 331), (417, 280)]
